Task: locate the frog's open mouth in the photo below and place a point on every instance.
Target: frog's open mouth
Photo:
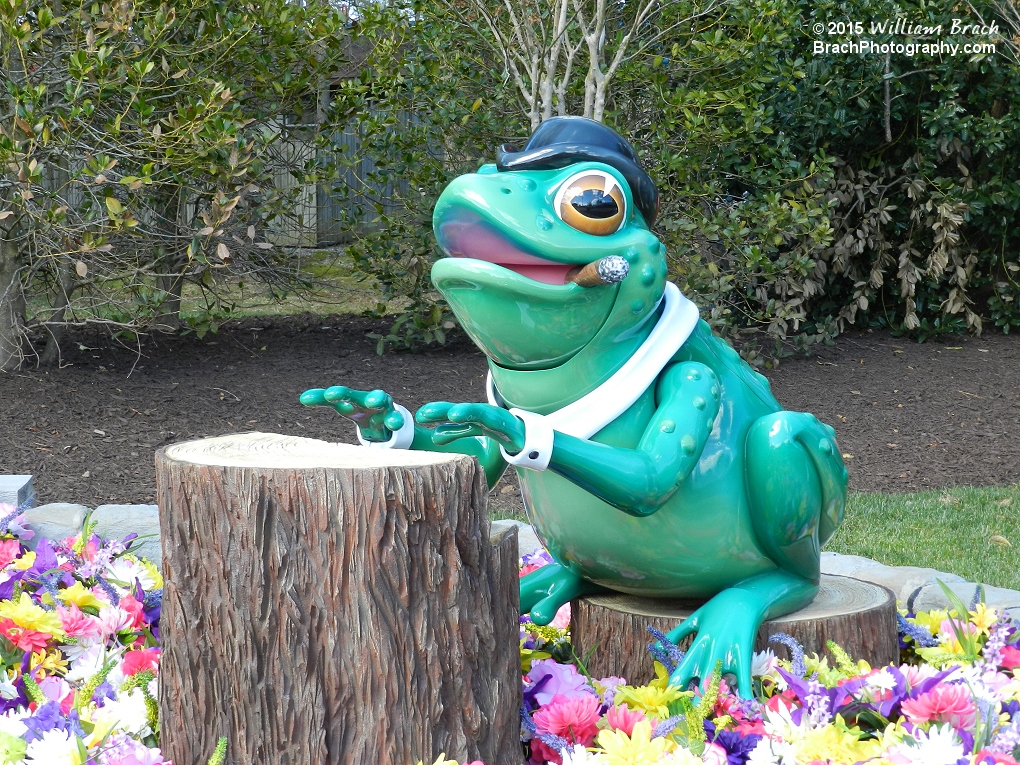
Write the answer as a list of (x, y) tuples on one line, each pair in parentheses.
[(465, 234)]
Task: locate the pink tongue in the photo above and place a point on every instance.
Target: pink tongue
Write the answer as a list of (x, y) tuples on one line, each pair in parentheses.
[(467, 239)]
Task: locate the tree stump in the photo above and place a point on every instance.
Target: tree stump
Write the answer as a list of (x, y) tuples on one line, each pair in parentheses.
[(859, 616), (327, 603)]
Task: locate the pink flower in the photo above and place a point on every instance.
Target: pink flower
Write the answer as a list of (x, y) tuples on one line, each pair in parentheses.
[(562, 619), (942, 704), (1010, 657), (78, 624), (573, 718), (564, 680), (131, 604), (57, 689), (985, 757), (139, 661), (9, 550), (25, 639), (623, 718), (714, 755)]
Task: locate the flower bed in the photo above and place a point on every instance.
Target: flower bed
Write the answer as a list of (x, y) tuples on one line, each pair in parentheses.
[(79, 650), (79, 646), (955, 698)]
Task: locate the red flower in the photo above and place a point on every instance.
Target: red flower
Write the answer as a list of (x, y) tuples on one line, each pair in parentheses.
[(139, 661)]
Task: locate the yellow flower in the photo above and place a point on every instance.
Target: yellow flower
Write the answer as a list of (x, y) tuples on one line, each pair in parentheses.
[(983, 617), (930, 620), (441, 760), (157, 577), (81, 596), (649, 698), (51, 661), (834, 743), (637, 749), (29, 616), (25, 562)]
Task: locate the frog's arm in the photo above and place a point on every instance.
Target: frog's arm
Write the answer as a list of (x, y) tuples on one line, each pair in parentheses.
[(639, 481)]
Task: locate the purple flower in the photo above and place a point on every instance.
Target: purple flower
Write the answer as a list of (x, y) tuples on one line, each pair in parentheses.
[(738, 748), (557, 680)]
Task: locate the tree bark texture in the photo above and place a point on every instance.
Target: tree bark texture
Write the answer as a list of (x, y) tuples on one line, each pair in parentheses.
[(327, 603), (858, 616)]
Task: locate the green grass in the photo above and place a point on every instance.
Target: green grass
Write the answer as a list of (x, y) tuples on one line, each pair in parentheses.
[(973, 532)]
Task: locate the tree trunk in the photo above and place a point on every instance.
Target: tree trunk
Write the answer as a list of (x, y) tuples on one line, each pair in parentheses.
[(12, 304), (327, 603), (858, 616), (61, 300)]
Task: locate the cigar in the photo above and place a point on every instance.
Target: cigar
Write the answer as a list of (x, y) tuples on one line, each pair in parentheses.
[(599, 273)]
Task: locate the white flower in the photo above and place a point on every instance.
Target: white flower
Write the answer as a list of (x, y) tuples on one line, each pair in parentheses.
[(74, 651), (86, 662), (125, 572), (769, 752), (577, 754), (113, 620), (680, 757), (56, 747), (7, 689), (127, 713), (764, 663), (939, 746), (11, 722), (882, 680)]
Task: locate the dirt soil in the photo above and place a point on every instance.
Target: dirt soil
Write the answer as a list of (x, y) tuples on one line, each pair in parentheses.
[(907, 416)]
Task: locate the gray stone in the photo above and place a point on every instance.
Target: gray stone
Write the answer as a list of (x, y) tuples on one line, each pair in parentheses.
[(117, 521), (932, 596), (16, 489), (527, 540), (54, 521), (836, 564)]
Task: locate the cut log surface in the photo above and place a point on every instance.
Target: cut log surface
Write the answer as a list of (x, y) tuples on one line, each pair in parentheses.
[(858, 616), (333, 604)]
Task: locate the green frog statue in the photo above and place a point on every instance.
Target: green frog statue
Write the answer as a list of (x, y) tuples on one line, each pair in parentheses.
[(652, 460)]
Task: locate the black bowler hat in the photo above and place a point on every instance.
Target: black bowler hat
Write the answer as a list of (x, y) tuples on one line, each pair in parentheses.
[(562, 141)]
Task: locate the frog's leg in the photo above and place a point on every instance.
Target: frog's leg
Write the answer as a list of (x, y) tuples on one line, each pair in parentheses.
[(797, 491), (543, 591)]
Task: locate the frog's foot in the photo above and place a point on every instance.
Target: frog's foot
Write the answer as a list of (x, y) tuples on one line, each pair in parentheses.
[(544, 590), (725, 627), (796, 486)]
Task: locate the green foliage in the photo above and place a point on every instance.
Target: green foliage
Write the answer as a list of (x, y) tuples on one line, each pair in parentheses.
[(139, 143), (425, 107), (792, 206)]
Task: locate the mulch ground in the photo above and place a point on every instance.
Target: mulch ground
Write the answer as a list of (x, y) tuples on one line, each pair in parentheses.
[(908, 416)]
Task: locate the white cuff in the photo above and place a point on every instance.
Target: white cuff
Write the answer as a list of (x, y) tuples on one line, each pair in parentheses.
[(538, 442), (401, 439)]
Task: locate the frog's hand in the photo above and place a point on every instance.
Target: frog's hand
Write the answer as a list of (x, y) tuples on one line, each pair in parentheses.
[(379, 419), (725, 627), (797, 487), (639, 481)]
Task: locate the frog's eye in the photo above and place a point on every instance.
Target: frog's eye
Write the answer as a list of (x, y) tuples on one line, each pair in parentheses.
[(592, 202)]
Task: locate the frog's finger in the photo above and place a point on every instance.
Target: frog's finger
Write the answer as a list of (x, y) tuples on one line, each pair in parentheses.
[(378, 399), (497, 423), (433, 412), (336, 393), (444, 434), (686, 628), (314, 397), (692, 665), (393, 420), (743, 674)]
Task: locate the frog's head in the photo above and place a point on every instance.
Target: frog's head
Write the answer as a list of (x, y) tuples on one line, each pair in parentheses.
[(513, 230)]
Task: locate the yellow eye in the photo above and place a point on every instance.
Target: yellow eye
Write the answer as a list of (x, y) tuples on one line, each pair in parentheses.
[(592, 202)]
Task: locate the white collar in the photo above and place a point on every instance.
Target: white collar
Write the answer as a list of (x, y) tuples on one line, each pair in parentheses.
[(592, 412)]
